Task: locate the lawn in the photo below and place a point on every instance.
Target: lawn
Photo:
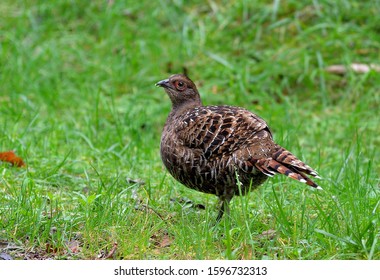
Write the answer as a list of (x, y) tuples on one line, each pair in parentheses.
[(78, 104)]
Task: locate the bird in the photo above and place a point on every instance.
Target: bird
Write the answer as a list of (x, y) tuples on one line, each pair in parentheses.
[(222, 150)]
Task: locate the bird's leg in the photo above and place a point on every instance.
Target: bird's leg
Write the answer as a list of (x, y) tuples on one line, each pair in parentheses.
[(224, 207), (221, 210)]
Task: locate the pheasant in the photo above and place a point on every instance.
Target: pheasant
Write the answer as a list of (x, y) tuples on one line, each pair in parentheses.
[(221, 150)]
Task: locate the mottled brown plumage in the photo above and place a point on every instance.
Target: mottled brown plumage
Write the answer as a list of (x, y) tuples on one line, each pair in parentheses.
[(221, 150)]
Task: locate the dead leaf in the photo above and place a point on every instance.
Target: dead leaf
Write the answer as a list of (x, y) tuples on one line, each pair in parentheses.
[(268, 234), (161, 239), (74, 246), (355, 67), (110, 255), (363, 51), (166, 241), (11, 158), (247, 251), (214, 89)]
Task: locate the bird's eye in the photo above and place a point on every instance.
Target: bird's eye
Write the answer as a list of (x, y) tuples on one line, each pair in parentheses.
[(179, 85)]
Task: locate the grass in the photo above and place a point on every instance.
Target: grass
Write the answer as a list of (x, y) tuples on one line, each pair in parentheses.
[(78, 104)]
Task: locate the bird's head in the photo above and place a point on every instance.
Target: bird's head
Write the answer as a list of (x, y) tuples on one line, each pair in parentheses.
[(181, 90)]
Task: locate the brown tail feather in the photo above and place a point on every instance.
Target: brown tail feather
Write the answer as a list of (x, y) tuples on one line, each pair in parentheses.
[(287, 158), (286, 163)]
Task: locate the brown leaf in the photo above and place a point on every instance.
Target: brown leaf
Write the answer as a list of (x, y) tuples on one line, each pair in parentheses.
[(103, 255), (161, 239), (268, 234), (11, 158), (214, 89), (111, 253), (74, 246), (166, 241)]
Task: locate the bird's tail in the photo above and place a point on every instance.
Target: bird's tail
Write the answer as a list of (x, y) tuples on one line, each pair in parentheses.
[(284, 162)]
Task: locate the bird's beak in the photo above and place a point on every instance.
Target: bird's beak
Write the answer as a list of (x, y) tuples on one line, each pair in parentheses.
[(163, 83)]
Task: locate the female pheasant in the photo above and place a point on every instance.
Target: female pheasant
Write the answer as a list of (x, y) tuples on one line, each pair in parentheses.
[(221, 150)]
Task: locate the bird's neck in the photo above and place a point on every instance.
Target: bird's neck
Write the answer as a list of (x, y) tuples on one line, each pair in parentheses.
[(180, 108)]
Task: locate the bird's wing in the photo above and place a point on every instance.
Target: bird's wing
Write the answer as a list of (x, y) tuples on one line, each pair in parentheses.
[(223, 130), (226, 133)]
